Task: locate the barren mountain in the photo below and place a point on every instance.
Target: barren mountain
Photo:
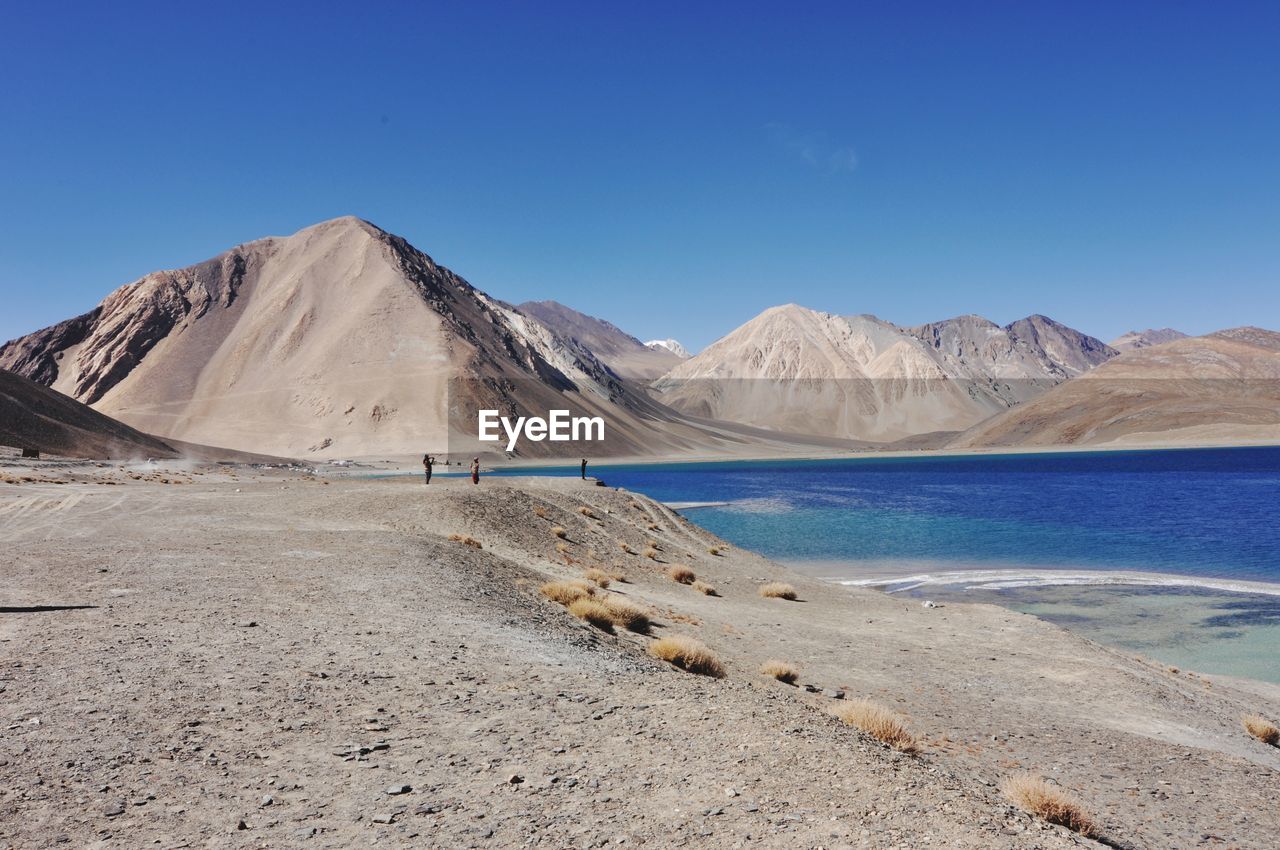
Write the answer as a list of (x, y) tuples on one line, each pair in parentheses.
[(339, 340), (1224, 387), (860, 377), (32, 416), (621, 352), (1025, 357), (1145, 339)]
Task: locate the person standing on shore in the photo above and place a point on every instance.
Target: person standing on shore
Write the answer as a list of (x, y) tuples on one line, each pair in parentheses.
[(584, 469), (475, 470), (427, 462)]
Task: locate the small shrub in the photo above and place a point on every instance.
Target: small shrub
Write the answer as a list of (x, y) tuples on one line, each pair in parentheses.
[(653, 526), (629, 615), (598, 577), (539, 511), (586, 512), (1037, 797), (704, 588), (877, 721), (681, 574), (714, 550), (565, 592), (777, 590), (466, 540), (651, 554), (562, 547), (652, 544), (687, 654), (780, 670), (593, 611), (559, 531), (624, 547), (1261, 728)]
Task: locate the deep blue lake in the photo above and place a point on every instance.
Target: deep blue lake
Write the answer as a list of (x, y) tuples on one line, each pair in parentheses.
[(1202, 512)]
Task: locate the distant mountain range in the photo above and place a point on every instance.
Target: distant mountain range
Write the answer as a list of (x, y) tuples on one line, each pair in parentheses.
[(1146, 339), (860, 377), (344, 340), (1215, 389)]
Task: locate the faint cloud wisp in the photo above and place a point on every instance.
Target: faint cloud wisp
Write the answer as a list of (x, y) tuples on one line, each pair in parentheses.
[(816, 149)]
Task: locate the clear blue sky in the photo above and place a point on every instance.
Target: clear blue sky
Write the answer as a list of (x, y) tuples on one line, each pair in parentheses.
[(674, 168)]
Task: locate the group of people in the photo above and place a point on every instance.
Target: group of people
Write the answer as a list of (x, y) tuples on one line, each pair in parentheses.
[(429, 462)]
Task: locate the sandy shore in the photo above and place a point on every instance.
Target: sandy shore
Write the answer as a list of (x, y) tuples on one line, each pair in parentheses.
[(270, 660)]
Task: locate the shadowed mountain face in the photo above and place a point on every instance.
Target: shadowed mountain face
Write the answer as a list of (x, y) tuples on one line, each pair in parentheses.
[(1220, 388), (340, 339), (621, 352), (32, 416), (860, 377)]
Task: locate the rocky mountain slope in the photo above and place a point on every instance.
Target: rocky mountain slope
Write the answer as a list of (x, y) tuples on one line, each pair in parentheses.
[(1145, 339), (32, 416), (860, 377), (621, 352), (341, 339), (1220, 388)]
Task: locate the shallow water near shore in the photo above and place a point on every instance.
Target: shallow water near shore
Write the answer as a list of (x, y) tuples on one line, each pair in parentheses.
[(1174, 554)]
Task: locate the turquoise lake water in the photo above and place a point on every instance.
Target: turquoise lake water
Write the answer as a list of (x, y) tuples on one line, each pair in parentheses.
[(1174, 554)]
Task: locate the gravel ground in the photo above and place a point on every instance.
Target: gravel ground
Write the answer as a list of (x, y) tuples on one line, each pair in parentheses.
[(275, 661)]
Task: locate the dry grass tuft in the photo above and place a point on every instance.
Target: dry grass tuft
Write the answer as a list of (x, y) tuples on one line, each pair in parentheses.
[(539, 511), (558, 531), (704, 588), (877, 721), (652, 544), (565, 592), (466, 540), (653, 526), (777, 590), (1261, 728), (598, 577), (593, 611), (587, 512), (562, 547), (1037, 797), (651, 554), (682, 574), (714, 550), (622, 544), (687, 654), (780, 670), (629, 615)]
